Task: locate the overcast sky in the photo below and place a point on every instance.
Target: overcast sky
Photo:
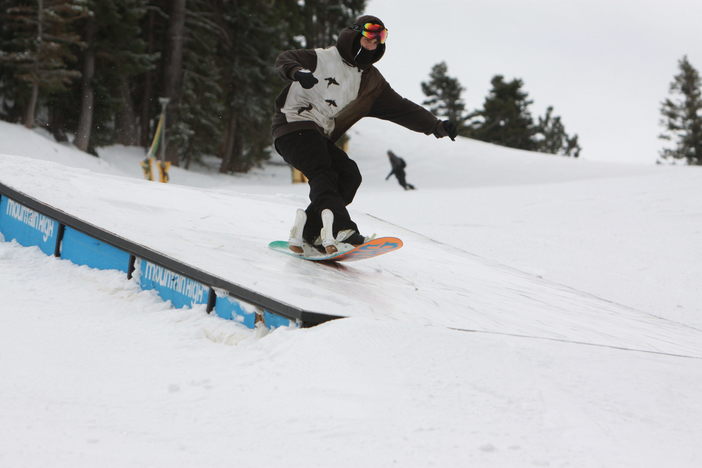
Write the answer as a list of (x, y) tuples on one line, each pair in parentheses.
[(605, 65)]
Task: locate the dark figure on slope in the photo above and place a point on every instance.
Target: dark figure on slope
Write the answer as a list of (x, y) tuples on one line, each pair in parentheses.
[(331, 90), (398, 168)]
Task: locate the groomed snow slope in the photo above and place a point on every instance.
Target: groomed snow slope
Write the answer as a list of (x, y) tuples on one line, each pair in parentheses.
[(427, 282), (99, 367)]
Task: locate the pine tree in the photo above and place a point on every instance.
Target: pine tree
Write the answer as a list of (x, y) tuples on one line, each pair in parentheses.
[(11, 88), (213, 58), (102, 106), (147, 85), (682, 116), (324, 19), (572, 147), (444, 96), (200, 128), (505, 118), (38, 51), (173, 78), (87, 92), (551, 136), (256, 32)]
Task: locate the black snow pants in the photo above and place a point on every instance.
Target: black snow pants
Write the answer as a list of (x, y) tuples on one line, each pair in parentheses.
[(401, 177), (333, 178)]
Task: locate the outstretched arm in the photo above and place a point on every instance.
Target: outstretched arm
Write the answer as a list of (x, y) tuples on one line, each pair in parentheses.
[(393, 107)]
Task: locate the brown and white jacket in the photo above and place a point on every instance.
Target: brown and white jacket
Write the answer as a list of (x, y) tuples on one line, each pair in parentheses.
[(344, 94)]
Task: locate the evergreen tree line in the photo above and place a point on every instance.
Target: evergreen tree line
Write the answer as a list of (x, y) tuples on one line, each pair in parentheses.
[(681, 117), (97, 69), (505, 118)]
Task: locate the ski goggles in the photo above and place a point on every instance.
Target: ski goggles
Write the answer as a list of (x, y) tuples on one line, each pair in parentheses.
[(372, 31)]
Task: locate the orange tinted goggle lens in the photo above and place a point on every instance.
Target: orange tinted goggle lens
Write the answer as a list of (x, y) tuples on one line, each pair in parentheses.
[(375, 31)]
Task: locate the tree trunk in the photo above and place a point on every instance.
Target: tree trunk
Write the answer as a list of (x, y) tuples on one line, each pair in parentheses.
[(237, 164), (57, 120), (126, 117), (146, 98), (311, 26), (30, 111), (229, 145), (87, 101), (173, 71)]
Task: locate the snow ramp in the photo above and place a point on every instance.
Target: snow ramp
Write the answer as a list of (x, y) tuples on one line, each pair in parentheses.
[(224, 235)]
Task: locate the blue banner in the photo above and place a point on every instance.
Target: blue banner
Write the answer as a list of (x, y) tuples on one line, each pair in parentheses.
[(82, 249), (275, 321), (232, 309), (26, 226), (180, 290)]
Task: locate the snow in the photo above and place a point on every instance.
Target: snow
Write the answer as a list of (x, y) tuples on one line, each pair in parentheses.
[(542, 312)]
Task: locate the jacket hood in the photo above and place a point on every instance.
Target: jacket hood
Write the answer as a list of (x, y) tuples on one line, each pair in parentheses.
[(349, 43)]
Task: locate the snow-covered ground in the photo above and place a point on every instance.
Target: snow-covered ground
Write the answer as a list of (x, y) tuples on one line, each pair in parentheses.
[(544, 311)]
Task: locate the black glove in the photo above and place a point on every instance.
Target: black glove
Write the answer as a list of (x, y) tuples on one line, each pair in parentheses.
[(306, 79), (446, 128)]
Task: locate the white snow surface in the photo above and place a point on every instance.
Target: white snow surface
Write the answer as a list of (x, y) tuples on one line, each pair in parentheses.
[(544, 311)]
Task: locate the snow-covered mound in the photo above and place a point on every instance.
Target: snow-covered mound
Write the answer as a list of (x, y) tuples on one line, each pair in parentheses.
[(467, 163)]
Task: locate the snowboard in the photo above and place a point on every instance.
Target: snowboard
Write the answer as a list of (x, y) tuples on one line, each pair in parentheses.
[(370, 249)]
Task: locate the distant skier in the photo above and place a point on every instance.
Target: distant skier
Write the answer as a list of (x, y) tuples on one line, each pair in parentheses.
[(398, 168), (331, 90)]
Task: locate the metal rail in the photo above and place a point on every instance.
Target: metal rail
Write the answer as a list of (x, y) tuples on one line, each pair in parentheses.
[(307, 318)]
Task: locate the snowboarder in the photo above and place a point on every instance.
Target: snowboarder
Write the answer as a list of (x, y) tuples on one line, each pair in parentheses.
[(329, 91), (398, 168)]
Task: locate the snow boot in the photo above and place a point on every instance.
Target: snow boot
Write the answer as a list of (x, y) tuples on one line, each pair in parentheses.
[(295, 241), (349, 236), (346, 239), (327, 233)]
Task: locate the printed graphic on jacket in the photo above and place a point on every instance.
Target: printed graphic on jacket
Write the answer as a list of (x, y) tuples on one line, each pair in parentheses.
[(321, 103)]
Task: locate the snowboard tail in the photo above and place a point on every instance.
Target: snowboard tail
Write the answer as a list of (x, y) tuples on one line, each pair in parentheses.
[(370, 249)]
